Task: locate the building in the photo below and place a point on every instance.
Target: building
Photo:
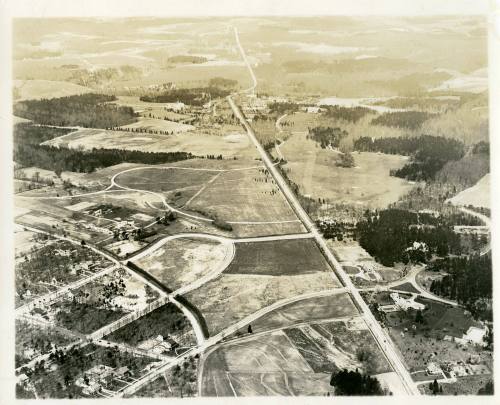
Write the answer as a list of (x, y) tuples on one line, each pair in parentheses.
[(406, 303), (432, 369), (475, 335)]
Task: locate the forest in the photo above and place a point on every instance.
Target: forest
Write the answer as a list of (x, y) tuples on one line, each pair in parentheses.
[(350, 114), (327, 136), (402, 119), (469, 281), (28, 152), (429, 154), (395, 235), (86, 110), (195, 96)]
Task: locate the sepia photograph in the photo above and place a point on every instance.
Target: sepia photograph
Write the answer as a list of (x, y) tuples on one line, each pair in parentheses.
[(226, 201)]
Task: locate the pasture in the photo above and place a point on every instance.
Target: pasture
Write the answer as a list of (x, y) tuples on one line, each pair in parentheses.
[(478, 195), (38, 89), (368, 184)]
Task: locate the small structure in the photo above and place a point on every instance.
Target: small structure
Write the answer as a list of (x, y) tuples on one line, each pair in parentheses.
[(406, 303), (432, 369), (313, 109), (475, 335), (92, 388), (176, 107)]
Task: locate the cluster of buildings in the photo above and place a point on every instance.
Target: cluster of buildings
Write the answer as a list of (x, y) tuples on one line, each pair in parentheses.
[(402, 304), (98, 377)]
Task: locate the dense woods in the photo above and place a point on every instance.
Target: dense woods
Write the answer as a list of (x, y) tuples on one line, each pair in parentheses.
[(402, 119), (429, 154), (281, 108), (395, 235), (327, 136), (195, 96), (86, 110), (469, 281), (350, 114), (28, 152), (352, 383)]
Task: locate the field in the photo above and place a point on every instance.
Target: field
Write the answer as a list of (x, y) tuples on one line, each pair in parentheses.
[(306, 310), (278, 258), (264, 365), (231, 297), (180, 262), (248, 196), (477, 195), (152, 124), (196, 143), (329, 347), (368, 183), (37, 89), (166, 321)]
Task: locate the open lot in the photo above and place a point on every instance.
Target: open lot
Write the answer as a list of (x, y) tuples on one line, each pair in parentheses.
[(198, 144), (307, 310), (368, 183), (278, 258), (182, 261), (231, 297), (477, 195), (37, 89), (247, 196), (265, 365)]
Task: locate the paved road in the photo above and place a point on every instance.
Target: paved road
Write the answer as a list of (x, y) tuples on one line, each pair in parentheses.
[(381, 336)]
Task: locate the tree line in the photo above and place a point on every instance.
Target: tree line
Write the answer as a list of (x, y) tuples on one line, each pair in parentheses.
[(403, 119), (28, 152), (327, 136), (429, 154), (87, 110), (195, 96), (349, 114), (468, 281)]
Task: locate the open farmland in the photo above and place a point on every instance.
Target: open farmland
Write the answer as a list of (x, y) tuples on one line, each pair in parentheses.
[(264, 365), (306, 310), (196, 143), (247, 196), (232, 297), (37, 89), (278, 258), (182, 261), (368, 183)]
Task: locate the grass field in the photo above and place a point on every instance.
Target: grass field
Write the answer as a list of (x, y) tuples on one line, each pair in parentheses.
[(37, 89), (469, 385), (477, 195), (278, 258), (231, 297), (265, 365), (368, 183), (182, 261), (246, 195), (197, 143), (308, 310)]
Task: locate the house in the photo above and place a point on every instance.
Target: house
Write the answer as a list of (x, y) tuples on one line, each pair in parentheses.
[(313, 110), (475, 335), (100, 373), (92, 388), (123, 372), (22, 379), (432, 369), (406, 303)]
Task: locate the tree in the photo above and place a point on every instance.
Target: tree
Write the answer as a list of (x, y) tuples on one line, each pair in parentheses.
[(346, 160), (352, 383), (435, 387), (419, 318), (487, 389), (250, 329)]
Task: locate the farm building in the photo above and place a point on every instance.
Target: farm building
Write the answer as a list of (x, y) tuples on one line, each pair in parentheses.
[(406, 303)]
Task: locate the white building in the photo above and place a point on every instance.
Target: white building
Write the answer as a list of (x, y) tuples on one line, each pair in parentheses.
[(475, 335), (406, 303)]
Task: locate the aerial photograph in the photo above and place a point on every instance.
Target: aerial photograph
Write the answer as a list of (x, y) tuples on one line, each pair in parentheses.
[(251, 206)]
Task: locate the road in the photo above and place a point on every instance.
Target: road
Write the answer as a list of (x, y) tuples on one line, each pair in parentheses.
[(380, 335)]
